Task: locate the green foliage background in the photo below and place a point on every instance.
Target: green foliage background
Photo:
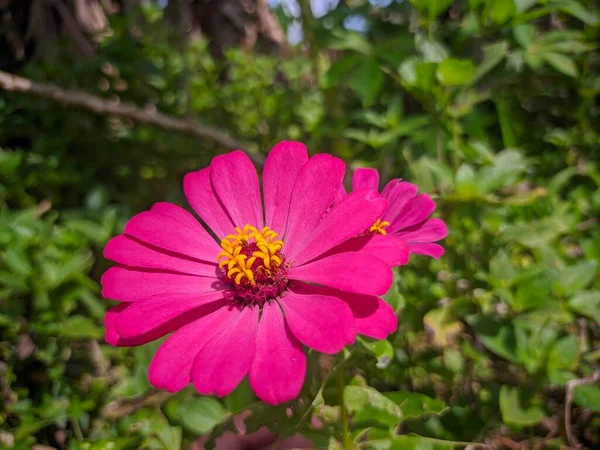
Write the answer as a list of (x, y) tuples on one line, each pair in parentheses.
[(490, 105)]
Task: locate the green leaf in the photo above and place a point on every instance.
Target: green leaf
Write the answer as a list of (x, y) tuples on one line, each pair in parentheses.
[(241, 398), (588, 396), (414, 404), (576, 9), (350, 40), (564, 354), (431, 49), (414, 442), (524, 34), (498, 337), (516, 408), (587, 304), (454, 72), (79, 327), (369, 405), (562, 63), (493, 55), (339, 70), (533, 291), (367, 80), (506, 170), (393, 296), (433, 7), (576, 277), (418, 74), (199, 415), (524, 5), (501, 268), (383, 351), (466, 181), (16, 261), (501, 10)]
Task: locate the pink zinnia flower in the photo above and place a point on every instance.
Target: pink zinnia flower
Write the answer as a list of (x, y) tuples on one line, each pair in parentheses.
[(246, 296), (407, 216)]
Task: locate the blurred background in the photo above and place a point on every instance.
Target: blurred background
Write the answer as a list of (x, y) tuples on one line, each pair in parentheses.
[(492, 106)]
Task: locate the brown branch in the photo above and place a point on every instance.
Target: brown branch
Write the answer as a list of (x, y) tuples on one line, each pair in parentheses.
[(125, 407), (148, 116), (571, 385)]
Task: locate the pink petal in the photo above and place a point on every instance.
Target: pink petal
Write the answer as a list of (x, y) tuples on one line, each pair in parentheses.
[(172, 365), (202, 198), (417, 210), (129, 285), (429, 231), (317, 184), (112, 336), (235, 181), (433, 250), (226, 358), (279, 367), (341, 193), (374, 317), (171, 311), (320, 321), (172, 228), (365, 178), (350, 271), (398, 196), (350, 217), (391, 249), (385, 192), (130, 252), (281, 169)]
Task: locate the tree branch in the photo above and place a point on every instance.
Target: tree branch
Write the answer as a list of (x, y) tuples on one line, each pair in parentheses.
[(571, 385), (98, 105)]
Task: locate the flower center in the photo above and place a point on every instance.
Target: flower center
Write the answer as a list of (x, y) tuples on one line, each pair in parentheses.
[(252, 260), (379, 227)]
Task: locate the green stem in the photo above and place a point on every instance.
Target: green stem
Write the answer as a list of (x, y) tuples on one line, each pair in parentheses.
[(344, 413), (76, 429)]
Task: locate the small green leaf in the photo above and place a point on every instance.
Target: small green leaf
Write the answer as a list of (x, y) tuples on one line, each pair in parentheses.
[(241, 398), (454, 72), (414, 442), (493, 55), (432, 50), (502, 10), (414, 404), (576, 277), (367, 80), (533, 291), (383, 351), (516, 408), (588, 396), (369, 405), (433, 7), (199, 415), (562, 63), (498, 337), (576, 9), (79, 327), (524, 34), (466, 182), (339, 70), (501, 268), (587, 304), (564, 354)]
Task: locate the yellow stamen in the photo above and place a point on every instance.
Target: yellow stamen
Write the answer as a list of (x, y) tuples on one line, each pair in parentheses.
[(240, 266), (379, 227)]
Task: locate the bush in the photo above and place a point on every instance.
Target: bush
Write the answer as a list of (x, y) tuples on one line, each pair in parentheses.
[(490, 105)]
